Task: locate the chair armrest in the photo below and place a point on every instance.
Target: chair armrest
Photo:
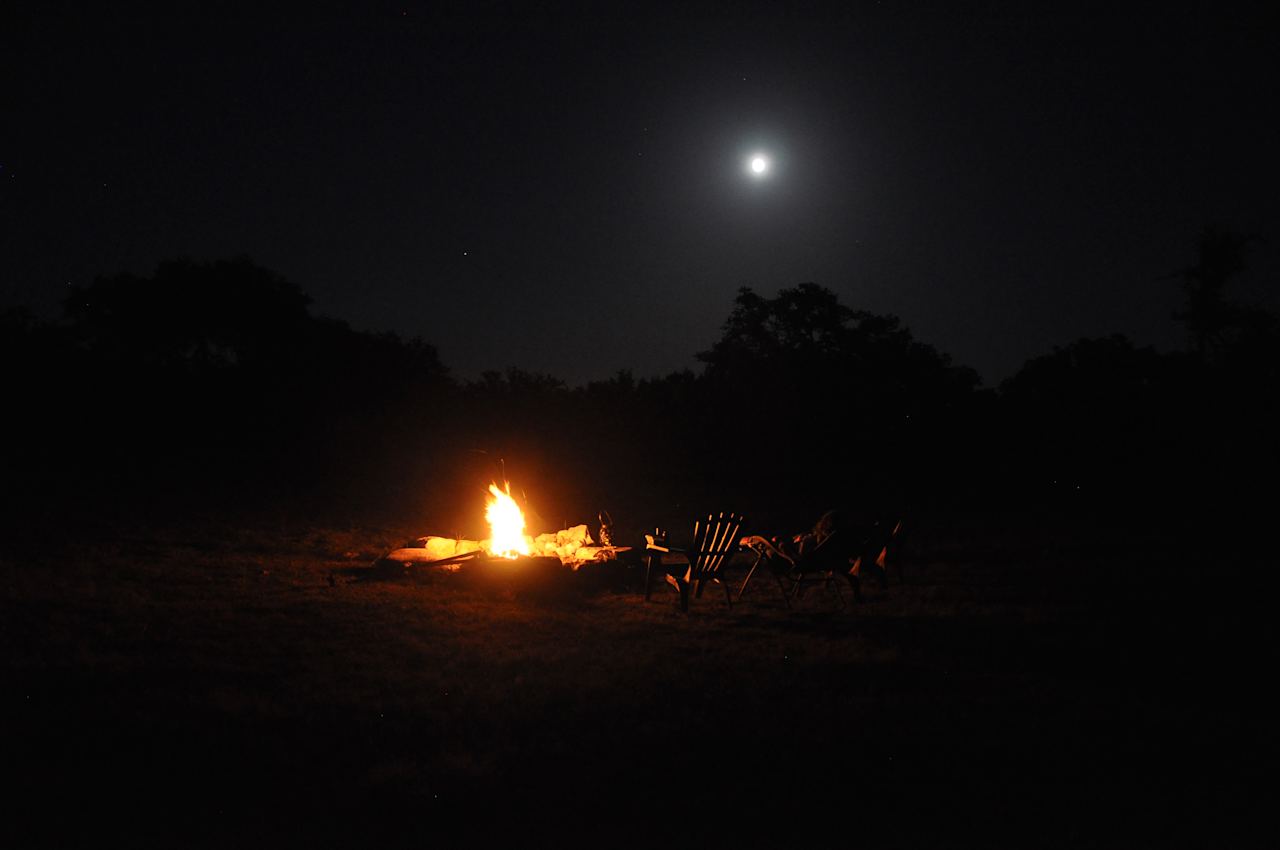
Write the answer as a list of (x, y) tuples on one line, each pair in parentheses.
[(765, 548), (668, 556), (652, 545)]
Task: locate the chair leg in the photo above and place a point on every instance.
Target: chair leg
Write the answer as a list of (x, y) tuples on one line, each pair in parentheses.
[(684, 587), (746, 581), (855, 584), (882, 561), (648, 577), (783, 589), (831, 583), (728, 597)]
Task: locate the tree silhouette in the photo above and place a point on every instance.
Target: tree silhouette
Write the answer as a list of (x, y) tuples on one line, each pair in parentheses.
[(212, 380), (1210, 317), (190, 315), (825, 396), (804, 340)]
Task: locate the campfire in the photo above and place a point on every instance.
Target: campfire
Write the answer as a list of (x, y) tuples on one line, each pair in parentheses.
[(506, 525), (508, 540)]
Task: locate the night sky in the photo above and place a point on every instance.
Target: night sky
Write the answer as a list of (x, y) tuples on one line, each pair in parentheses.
[(568, 192)]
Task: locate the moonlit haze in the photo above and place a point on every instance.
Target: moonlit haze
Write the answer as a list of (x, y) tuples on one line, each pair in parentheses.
[(1001, 181)]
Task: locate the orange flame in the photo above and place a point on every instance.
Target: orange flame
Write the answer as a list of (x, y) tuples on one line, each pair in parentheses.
[(506, 524)]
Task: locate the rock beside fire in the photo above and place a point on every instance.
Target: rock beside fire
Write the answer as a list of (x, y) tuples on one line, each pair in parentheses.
[(572, 546), (439, 548)]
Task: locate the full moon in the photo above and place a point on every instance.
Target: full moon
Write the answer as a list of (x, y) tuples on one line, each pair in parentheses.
[(759, 165)]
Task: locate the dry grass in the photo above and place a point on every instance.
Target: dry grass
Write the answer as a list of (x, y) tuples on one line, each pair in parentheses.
[(212, 682)]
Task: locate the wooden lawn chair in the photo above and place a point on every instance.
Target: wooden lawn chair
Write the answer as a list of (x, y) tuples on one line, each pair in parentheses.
[(828, 563), (715, 540), (769, 556)]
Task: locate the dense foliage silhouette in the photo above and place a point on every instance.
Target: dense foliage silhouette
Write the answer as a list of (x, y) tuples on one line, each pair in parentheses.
[(211, 386)]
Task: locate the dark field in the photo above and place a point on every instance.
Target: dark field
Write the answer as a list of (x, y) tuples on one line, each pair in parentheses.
[(210, 685)]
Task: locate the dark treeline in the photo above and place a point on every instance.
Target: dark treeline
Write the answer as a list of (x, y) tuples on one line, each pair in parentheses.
[(210, 387)]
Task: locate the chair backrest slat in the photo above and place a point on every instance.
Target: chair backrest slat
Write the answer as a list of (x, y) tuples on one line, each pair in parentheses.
[(700, 543), (716, 535), (715, 545), (727, 540)]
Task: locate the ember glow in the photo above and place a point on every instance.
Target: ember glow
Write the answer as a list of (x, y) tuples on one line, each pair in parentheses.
[(506, 524)]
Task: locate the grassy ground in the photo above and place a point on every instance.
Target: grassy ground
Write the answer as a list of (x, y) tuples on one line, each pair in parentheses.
[(212, 684)]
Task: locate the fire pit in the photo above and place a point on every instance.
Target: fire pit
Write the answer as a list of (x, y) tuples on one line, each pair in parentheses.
[(509, 550)]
